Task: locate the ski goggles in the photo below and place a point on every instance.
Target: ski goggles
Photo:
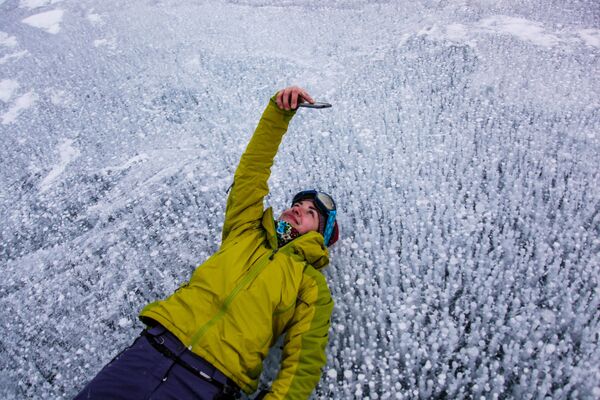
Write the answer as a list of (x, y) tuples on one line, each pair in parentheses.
[(326, 207)]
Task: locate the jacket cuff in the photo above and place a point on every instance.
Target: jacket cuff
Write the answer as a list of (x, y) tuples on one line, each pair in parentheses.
[(287, 113)]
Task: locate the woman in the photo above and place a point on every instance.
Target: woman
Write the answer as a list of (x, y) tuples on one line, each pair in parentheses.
[(208, 339)]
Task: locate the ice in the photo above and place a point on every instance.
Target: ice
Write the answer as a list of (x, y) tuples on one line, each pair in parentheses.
[(32, 4), (462, 149)]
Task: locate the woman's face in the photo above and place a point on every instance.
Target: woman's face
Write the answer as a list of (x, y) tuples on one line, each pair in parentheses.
[(303, 216)]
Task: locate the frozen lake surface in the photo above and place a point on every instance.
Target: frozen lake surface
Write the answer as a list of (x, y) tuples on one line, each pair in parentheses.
[(462, 148)]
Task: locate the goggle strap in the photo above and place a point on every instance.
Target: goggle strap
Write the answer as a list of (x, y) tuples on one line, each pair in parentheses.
[(329, 227)]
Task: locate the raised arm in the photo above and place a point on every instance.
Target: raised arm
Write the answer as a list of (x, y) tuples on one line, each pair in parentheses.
[(245, 201)]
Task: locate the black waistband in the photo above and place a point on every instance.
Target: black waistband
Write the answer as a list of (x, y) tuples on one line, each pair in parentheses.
[(168, 344)]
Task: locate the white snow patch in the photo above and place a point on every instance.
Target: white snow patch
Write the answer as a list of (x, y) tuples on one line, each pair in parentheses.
[(32, 4), (591, 37), (194, 61), (457, 32), (442, 378), (48, 21), (524, 29), (452, 32), (332, 373), (473, 351), (7, 41), (22, 103), (548, 316), (67, 153), (7, 89), (140, 158), (94, 18), (16, 56), (124, 322), (59, 97), (111, 43)]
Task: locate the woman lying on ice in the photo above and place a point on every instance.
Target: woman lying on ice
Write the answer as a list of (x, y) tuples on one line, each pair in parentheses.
[(208, 339)]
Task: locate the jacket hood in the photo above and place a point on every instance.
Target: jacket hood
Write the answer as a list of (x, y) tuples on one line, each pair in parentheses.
[(309, 246)]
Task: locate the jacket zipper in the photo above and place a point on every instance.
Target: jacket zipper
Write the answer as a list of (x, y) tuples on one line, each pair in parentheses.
[(242, 283)]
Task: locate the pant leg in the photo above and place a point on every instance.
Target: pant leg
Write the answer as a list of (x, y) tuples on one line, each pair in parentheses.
[(182, 384), (133, 374)]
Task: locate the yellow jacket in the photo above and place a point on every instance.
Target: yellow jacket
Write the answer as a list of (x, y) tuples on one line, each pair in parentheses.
[(240, 300)]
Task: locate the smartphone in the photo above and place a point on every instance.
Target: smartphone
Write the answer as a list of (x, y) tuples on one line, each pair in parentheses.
[(316, 104)]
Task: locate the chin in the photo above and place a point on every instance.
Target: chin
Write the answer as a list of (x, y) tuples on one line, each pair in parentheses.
[(288, 220)]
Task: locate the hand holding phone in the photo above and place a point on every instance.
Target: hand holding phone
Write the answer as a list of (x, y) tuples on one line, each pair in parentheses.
[(293, 97)]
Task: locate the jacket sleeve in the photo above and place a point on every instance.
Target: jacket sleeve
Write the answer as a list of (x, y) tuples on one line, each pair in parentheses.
[(305, 342), (245, 201)]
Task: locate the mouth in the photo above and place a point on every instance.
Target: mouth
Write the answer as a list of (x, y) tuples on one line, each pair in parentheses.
[(292, 218)]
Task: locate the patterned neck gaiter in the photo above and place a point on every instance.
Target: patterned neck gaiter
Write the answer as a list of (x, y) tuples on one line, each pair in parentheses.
[(285, 232)]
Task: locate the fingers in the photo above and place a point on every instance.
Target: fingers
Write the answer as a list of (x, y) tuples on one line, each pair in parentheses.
[(306, 96), (283, 98), (290, 97), (286, 98), (294, 97), (278, 99)]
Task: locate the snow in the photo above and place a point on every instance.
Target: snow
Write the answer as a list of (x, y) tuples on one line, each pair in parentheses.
[(522, 28), (13, 56), (67, 154), (140, 158), (106, 42), (100, 42), (7, 89), (530, 31), (94, 18), (462, 149), (59, 97), (49, 21), (591, 37), (22, 103), (6, 40), (9, 42)]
